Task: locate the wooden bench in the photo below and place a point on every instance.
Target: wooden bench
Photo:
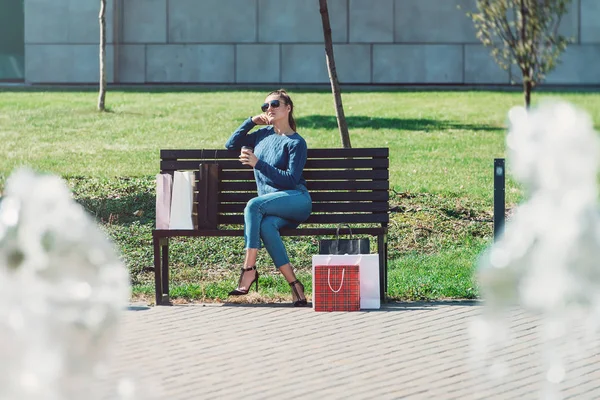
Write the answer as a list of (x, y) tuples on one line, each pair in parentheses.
[(347, 186)]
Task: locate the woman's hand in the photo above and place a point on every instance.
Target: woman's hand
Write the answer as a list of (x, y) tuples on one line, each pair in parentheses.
[(247, 157), (261, 119)]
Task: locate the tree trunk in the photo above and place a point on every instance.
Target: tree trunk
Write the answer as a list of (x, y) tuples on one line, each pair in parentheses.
[(527, 73), (102, 94), (527, 86), (335, 86)]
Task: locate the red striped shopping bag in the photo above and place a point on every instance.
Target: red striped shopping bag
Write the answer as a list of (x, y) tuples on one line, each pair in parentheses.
[(336, 288)]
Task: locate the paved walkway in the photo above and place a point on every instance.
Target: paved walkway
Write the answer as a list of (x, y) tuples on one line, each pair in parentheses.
[(404, 350)]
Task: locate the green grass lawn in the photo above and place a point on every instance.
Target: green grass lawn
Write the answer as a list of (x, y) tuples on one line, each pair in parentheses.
[(442, 146)]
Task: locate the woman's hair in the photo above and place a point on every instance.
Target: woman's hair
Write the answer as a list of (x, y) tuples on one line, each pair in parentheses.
[(287, 100)]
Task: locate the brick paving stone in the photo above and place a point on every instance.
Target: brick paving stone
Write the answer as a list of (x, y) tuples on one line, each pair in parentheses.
[(404, 350)]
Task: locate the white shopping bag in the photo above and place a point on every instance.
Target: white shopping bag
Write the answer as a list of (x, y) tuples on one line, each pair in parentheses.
[(182, 200), (368, 265), (164, 186)]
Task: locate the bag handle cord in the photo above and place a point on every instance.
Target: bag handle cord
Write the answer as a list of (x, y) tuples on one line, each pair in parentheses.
[(341, 282)]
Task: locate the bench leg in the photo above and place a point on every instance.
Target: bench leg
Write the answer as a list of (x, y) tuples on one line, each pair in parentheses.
[(157, 271), (382, 250), (165, 271), (161, 271), (385, 258)]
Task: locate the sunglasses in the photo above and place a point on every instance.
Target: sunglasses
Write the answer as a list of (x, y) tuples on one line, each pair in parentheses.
[(272, 103)]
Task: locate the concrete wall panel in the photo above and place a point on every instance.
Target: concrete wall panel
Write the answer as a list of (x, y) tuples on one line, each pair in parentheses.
[(65, 63), (417, 64), (83, 23), (280, 41), (590, 21), (286, 21), (44, 63), (434, 21), (212, 21), (257, 63), (569, 24), (132, 63), (303, 63), (352, 62), (145, 21), (480, 66), (65, 21), (371, 21), (180, 63), (45, 21), (579, 66)]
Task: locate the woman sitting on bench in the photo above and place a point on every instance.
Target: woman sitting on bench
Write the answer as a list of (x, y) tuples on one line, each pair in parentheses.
[(278, 158)]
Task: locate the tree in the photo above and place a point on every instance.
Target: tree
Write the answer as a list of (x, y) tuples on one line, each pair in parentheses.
[(524, 33), (102, 20), (335, 86)]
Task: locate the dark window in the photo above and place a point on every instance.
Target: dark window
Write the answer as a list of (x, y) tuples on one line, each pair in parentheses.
[(12, 41)]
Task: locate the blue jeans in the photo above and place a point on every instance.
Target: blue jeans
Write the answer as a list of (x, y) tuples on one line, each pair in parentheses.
[(265, 215)]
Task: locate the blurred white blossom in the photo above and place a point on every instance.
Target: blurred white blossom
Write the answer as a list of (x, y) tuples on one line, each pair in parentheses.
[(63, 289)]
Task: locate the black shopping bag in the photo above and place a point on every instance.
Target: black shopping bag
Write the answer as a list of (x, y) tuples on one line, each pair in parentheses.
[(344, 246)]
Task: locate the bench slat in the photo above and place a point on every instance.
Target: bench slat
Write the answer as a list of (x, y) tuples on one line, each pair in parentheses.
[(382, 195), (348, 218), (348, 185), (161, 233), (348, 163), (319, 175), (382, 152), (380, 206), (310, 175), (212, 154), (320, 218), (310, 164), (314, 185)]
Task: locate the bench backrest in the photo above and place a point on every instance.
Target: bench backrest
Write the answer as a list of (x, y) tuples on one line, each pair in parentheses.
[(346, 185)]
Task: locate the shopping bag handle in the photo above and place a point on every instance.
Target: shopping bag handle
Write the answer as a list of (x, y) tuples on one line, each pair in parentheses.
[(329, 257), (337, 231), (202, 154), (329, 283)]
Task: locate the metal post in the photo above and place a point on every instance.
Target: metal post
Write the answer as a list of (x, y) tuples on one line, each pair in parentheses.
[(499, 196)]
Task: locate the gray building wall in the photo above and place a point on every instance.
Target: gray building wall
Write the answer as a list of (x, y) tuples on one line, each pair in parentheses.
[(281, 42)]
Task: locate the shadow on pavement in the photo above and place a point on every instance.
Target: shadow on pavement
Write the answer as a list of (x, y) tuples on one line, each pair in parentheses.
[(136, 307), (387, 307), (263, 305), (423, 305)]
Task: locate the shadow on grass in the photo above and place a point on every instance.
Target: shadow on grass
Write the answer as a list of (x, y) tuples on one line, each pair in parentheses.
[(466, 215), (407, 124), (122, 210)]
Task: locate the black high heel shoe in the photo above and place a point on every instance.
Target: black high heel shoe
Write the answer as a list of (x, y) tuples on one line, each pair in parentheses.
[(238, 292), (299, 302)]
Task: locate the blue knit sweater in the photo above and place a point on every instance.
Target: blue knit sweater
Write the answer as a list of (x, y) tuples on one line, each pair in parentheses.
[(281, 158)]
